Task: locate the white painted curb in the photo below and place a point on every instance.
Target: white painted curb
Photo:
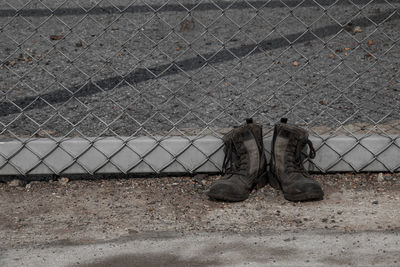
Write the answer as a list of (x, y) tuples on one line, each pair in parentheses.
[(180, 155)]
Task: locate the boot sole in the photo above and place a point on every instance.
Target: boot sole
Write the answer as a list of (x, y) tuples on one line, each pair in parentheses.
[(231, 198), (317, 195), (309, 196), (261, 181)]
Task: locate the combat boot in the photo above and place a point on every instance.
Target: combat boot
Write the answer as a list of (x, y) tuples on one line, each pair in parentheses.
[(244, 165), (287, 171)]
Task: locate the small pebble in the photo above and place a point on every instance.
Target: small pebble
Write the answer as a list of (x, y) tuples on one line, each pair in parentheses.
[(63, 180), (298, 221), (16, 183), (198, 178), (357, 29)]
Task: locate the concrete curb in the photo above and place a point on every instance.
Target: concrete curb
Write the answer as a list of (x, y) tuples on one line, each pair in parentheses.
[(180, 155)]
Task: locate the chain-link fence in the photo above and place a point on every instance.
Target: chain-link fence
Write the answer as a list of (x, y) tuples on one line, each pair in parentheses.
[(151, 86)]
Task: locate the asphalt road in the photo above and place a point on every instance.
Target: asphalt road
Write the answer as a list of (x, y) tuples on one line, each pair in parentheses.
[(154, 67), (299, 248)]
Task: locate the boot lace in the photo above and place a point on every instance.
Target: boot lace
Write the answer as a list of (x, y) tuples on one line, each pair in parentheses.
[(237, 167), (296, 161)]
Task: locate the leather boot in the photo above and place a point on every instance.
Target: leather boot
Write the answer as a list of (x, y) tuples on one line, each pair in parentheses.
[(287, 171), (244, 166)]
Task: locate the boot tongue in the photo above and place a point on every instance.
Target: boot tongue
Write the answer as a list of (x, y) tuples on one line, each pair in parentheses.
[(295, 160), (298, 139), (235, 153)]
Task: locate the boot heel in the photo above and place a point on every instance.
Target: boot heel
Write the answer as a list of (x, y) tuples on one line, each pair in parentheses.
[(273, 181)]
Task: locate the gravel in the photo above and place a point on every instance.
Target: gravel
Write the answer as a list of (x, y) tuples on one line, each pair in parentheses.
[(63, 180), (16, 183), (48, 212), (349, 80)]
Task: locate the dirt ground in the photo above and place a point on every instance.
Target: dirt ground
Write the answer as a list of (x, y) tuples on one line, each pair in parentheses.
[(43, 213)]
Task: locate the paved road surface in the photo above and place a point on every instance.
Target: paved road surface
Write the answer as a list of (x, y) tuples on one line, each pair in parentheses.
[(299, 248), (113, 73)]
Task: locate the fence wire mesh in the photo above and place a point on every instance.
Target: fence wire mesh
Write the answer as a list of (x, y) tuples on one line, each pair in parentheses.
[(126, 69)]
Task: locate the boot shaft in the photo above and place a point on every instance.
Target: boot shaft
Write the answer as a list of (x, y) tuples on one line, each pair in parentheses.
[(287, 170), (244, 164), (287, 144), (245, 151)]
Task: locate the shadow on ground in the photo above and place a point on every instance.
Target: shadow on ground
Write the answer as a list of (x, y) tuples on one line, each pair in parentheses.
[(154, 259)]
